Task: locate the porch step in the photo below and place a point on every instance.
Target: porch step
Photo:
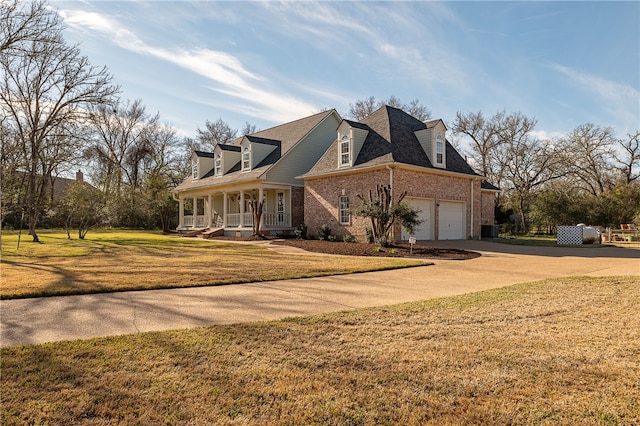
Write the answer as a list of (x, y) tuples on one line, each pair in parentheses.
[(212, 232), (194, 233)]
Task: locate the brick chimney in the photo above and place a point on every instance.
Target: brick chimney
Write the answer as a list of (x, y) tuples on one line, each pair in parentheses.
[(79, 176)]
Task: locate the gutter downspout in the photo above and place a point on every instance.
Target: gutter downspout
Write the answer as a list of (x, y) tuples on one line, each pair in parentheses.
[(472, 181)]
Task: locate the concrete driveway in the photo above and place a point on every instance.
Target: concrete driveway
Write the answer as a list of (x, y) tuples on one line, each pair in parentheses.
[(31, 321)]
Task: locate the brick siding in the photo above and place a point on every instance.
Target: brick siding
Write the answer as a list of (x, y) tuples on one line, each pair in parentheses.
[(321, 197), (297, 206), (488, 208)]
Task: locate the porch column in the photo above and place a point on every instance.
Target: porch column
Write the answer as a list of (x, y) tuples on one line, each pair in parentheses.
[(209, 208), (260, 199), (181, 213), (195, 211), (225, 209), (241, 209)]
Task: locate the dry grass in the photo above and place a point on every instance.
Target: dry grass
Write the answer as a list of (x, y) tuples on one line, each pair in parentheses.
[(129, 260), (561, 352)]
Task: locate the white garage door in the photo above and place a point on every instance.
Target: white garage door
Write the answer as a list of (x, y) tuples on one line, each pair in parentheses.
[(451, 220), (425, 229)]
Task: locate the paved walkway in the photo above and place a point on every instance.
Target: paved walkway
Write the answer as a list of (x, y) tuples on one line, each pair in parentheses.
[(30, 321)]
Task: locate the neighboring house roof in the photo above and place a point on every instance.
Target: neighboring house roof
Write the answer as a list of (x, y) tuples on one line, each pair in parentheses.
[(286, 136), (391, 140), (61, 185)]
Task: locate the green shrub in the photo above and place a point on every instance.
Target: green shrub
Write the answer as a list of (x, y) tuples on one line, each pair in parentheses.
[(301, 232), (349, 239), (324, 233)]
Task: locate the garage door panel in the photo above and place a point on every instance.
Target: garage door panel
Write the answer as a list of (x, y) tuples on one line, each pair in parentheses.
[(425, 230), (451, 220)]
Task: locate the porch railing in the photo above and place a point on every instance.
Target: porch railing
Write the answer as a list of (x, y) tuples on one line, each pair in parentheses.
[(276, 219), (200, 221), (233, 219), (268, 219)]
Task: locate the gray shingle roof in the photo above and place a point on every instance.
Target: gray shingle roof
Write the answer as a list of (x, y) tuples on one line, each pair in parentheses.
[(203, 154), (285, 135), (391, 139)]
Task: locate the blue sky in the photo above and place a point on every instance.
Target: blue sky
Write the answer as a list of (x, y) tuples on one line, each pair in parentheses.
[(266, 63)]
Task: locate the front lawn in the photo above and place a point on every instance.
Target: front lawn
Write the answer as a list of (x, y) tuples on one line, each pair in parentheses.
[(561, 352), (135, 260)]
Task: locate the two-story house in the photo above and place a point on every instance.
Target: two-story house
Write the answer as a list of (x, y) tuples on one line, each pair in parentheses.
[(312, 171), (390, 147), (260, 166)]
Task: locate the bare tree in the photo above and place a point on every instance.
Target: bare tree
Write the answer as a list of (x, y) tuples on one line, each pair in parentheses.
[(214, 133), (12, 181), (46, 87), (119, 144), (163, 172), (25, 22), (629, 159), (248, 129), (363, 107), (589, 154), (484, 141), (528, 164), (417, 110), (489, 139)]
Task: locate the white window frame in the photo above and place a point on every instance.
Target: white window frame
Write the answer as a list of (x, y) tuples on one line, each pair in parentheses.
[(217, 164), (345, 156), (194, 167), (344, 214), (246, 158), (439, 150)]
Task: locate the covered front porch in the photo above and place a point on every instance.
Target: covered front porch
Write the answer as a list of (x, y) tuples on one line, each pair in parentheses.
[(231, 211)]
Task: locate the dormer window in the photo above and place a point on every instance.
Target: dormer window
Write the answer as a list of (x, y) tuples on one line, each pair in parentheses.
[(217, 164), (345, 151), (246, 158), (439, 150), (194, 167)]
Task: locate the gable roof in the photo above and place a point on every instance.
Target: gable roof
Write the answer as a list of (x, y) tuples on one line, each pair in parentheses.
[(391, 140), (284, 136)]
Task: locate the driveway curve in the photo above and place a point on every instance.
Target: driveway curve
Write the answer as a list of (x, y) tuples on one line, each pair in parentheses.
[(32, 321)]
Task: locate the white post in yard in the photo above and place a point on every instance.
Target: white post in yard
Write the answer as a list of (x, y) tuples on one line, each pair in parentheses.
[(181, 213), (209, 208)]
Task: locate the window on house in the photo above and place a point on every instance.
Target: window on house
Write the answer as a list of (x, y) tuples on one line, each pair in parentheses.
[(439, 150), (345, 151), (194, 167), (343, 210), (217, 165), (246, 158)]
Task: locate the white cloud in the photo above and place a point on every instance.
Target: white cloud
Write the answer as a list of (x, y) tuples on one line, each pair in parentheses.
[(544, 135), (231, 77), (393, 37), (620, 100)]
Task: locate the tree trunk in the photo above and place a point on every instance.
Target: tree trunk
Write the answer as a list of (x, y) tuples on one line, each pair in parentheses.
[(256, 209), (33, 220)]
